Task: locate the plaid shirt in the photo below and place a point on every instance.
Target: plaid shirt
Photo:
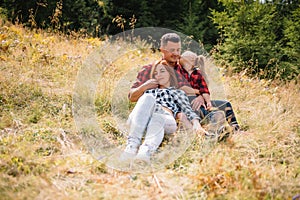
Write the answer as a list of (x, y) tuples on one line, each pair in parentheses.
[(144, 75), (195, 79), (175, 100)]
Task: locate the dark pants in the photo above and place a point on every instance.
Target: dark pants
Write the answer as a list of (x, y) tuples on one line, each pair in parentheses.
[(222, 105)]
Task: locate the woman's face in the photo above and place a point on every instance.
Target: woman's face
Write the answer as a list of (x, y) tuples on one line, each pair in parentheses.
[(187, 61), (162, 76)]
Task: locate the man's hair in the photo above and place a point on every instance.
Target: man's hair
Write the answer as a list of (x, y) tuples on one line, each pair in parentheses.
[(171, 71), (172, 37)]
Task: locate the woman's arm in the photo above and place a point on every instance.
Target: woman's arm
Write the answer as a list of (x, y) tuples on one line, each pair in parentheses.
[(197, 127), (184, 121), (136, 93), (187, 111), (182, 101)]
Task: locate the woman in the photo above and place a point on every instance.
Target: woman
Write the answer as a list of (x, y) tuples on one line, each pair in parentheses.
[(155, 113), (193, 68)]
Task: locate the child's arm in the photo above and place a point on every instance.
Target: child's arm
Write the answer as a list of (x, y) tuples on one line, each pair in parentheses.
[(198, 128), (206, 97)]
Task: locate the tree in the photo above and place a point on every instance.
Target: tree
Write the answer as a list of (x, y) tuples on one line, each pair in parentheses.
[(197, 22), (291, 50), (251, 38)]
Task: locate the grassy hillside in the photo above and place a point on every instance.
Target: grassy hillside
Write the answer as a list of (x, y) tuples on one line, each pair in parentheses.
[(42, 155)]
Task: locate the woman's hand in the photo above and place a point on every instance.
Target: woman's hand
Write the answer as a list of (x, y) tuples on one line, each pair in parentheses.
[(198, 128)]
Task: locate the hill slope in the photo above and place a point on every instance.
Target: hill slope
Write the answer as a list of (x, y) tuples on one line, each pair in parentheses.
[(42, 156)]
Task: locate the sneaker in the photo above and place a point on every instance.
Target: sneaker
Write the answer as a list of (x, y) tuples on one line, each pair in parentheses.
[(143, 155), (224, 133), (235, 127), (129, 153), (210, 134)]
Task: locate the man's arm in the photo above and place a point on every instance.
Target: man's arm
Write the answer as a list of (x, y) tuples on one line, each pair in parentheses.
[(198, 102), (140, 85), (189, 90)]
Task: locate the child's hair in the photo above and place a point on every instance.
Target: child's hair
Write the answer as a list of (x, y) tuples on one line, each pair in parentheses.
[(199, 62), (173, 78)]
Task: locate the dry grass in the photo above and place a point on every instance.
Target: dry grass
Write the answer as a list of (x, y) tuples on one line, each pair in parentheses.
[(42, 156)]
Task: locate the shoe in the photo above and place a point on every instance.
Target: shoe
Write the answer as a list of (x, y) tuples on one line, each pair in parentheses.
[(143, 155), (210, 134), (129, 153), (235, 127), (224, 133)]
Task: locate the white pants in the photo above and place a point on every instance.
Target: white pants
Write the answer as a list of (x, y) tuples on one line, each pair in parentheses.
[(145, 117)]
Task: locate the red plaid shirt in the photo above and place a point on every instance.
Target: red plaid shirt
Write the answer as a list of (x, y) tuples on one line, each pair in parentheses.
[(195, 79), (144, 75)]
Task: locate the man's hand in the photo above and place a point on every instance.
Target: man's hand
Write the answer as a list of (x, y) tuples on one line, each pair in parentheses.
[(198, 102)]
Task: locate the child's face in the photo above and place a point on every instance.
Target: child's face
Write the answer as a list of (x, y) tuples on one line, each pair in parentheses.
[(187, 61), (162, 75)]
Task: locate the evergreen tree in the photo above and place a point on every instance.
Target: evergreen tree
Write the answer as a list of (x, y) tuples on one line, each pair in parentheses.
[(197, 22), (251, 38)]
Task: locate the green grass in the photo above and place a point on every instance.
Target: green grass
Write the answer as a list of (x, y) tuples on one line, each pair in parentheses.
[(42, 155)]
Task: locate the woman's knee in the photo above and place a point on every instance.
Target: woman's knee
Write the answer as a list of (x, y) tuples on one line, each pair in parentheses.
[(170, 128), (170, 125), (147, 98)]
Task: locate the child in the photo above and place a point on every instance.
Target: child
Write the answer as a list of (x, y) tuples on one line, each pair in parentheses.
[(192, 68)]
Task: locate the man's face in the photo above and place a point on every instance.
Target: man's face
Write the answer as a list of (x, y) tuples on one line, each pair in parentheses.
[(171, 52)]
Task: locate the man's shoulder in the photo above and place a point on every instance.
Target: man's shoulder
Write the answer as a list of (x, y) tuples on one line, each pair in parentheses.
[(145, 69), (143, 76), (178, 68)]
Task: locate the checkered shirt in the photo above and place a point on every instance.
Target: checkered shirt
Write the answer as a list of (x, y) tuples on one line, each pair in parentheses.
[(195, 79), (175, 100)]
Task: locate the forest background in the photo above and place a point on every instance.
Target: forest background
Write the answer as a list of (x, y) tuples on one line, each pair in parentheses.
[(259, 36)]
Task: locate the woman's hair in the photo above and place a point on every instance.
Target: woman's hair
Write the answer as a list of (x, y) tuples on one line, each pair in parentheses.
[(171, 71)]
